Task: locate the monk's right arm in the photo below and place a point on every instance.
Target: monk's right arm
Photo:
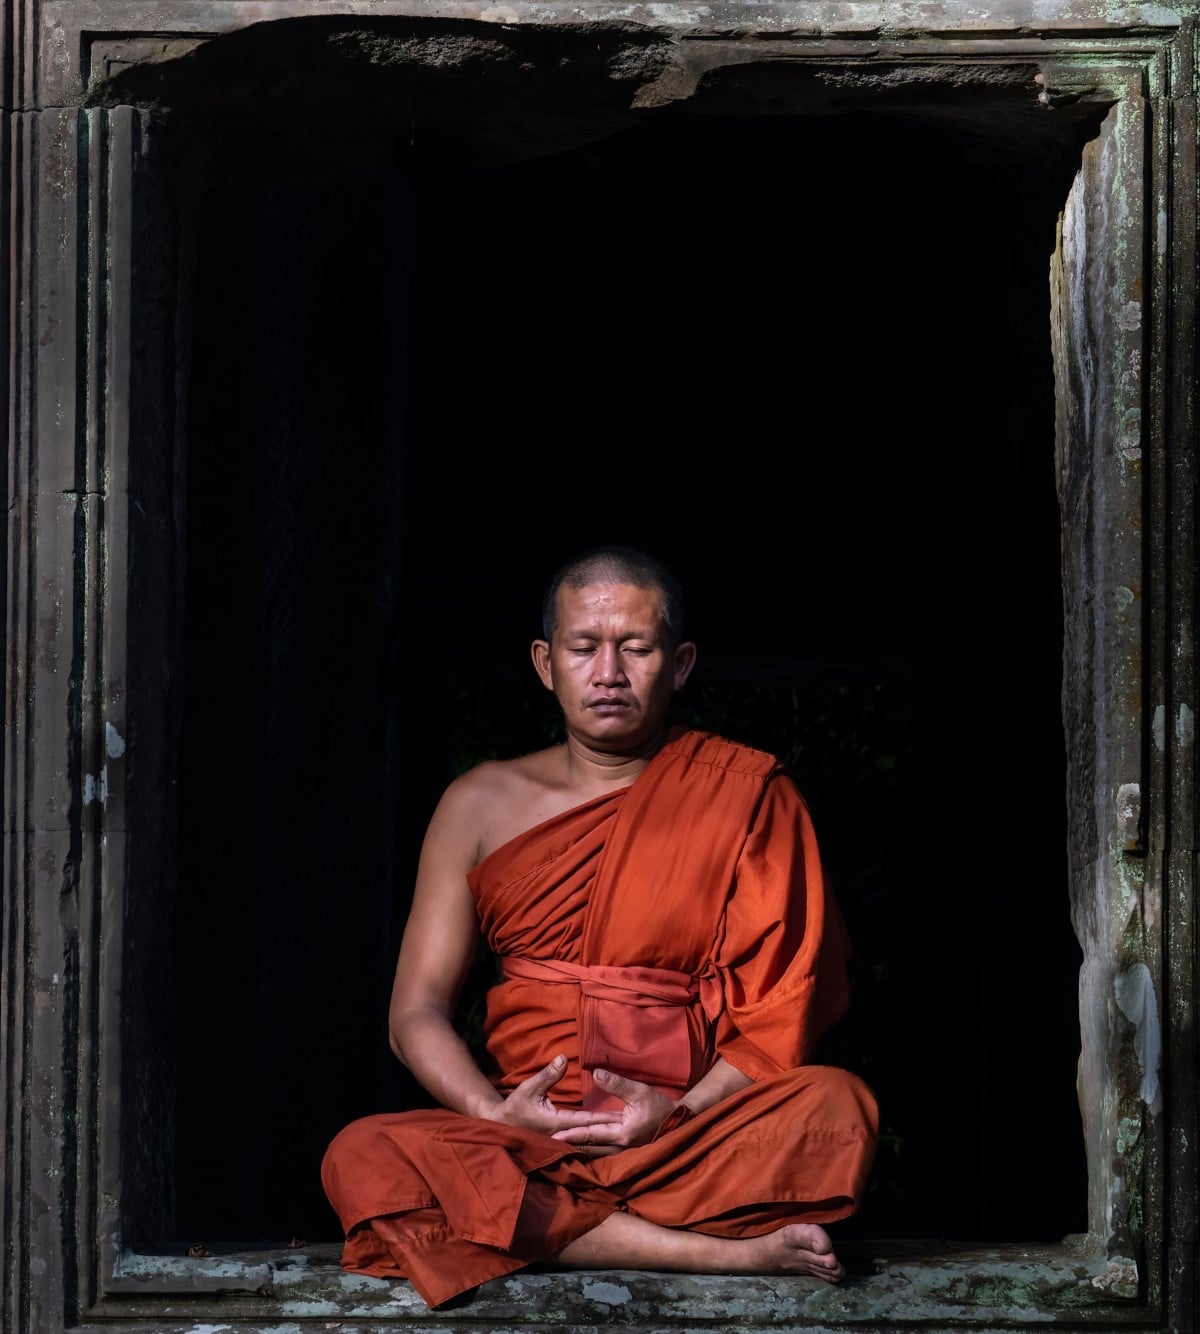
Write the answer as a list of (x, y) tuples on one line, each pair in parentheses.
[(433, 1051), (436, 953)]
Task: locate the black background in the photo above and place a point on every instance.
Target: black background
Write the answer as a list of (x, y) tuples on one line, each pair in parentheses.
[(806, 360)]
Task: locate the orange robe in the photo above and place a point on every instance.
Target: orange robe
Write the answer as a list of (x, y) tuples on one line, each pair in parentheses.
[(649, 931)]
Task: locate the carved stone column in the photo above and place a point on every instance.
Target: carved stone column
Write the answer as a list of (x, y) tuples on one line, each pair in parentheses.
[(91, 505)]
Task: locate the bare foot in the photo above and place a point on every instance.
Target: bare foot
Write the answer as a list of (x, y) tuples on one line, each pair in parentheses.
[(796, 1248), (624, 1241)]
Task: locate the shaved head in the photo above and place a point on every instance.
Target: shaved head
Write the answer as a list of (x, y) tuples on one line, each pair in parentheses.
[(613, 564)]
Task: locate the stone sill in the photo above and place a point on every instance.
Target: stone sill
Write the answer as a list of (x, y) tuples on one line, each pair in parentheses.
[(902, 1281)]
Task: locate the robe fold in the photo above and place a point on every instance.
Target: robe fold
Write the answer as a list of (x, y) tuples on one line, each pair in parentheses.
[(648, 931)]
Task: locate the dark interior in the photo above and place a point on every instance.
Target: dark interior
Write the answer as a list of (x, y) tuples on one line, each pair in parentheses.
[(805, 359)]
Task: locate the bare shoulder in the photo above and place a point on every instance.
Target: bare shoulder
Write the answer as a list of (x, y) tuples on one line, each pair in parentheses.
[(504, 780), (499, 799)]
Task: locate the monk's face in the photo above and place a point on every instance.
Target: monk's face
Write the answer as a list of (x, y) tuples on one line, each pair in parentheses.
[(611, 665)]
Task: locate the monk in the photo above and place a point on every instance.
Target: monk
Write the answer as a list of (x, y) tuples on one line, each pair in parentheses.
[(669, 958)]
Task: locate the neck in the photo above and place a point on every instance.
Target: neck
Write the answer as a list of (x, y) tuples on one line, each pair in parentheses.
[(587, 766)]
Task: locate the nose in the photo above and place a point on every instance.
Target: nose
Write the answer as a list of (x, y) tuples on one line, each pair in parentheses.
[(609, 670)]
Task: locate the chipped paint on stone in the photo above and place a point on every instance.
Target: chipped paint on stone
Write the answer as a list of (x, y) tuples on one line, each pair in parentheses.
[(1131, 435), (295, 1268), (342, 1282), (231, 1270), (1129, 1134), (114, 742), (1134, 990), (1124, 597), (1129, 316), (1158, 727), (1185, 726), (613, 1294), (1133, 370), (1130, 884), (1120, 1277), (305, 1309), (95, 787), (1129, 813), (361, 1282)]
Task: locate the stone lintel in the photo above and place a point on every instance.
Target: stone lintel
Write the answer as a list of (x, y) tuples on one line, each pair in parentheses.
[(85, 41)]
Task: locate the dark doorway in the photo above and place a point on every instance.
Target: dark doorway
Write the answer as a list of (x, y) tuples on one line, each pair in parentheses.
[(804, 358)]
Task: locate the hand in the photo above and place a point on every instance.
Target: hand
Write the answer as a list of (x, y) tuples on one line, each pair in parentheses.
[(529, 1106), (637, 1123)]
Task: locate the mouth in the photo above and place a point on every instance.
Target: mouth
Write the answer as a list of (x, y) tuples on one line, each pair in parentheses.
[(610, 704)]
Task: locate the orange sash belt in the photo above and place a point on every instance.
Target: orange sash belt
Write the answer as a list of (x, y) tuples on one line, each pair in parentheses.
[(632, 1020)]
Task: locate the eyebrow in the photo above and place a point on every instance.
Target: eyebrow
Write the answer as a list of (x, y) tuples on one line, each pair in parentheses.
[(568, 633)]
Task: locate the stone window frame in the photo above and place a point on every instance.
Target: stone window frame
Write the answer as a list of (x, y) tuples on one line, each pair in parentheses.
[(92, 563)]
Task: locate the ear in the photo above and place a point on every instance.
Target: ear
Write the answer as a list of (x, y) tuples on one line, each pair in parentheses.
[(540, 652), (685, 660)]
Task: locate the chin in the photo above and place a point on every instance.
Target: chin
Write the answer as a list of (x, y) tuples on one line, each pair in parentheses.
[(617, 731)]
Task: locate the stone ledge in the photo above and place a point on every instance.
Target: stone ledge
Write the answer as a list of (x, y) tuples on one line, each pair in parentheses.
[(904, 1282)]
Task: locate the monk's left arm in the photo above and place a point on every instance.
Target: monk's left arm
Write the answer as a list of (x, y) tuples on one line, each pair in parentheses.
[(722, 1080)]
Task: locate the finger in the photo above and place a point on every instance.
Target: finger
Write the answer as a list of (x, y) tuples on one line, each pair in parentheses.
[(586, 1143), (589, 1134), (619, 1085), (566, 1119), (545, 1078), (572, 1135)]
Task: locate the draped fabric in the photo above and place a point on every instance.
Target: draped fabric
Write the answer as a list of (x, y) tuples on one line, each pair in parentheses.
[(649, 931)]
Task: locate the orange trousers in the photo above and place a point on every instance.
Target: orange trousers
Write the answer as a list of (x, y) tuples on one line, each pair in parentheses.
[(449, 1201)]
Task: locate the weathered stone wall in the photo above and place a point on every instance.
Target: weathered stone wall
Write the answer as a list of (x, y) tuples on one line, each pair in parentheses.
[(103, 100)]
